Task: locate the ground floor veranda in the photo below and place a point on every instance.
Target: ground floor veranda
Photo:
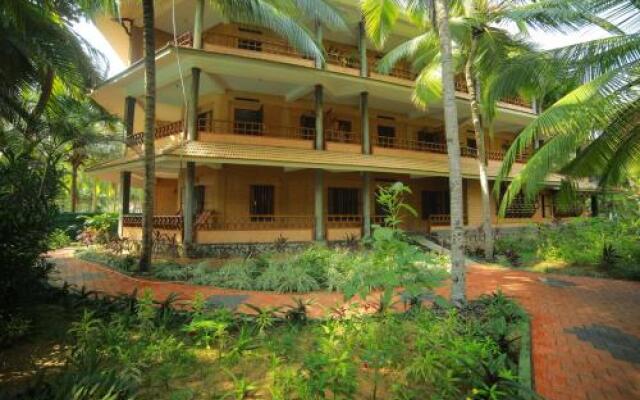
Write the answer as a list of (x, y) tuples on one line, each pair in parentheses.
[(258, 204)]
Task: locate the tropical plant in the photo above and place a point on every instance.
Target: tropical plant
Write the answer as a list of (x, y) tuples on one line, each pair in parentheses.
[(587, 127), (380, 18)]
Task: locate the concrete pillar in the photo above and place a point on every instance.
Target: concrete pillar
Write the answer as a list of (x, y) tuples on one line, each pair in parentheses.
[(364, 123), (319, 97), (366, 204), (125, 193), (362, 46), (319, 234), (190, 173), (197, 25), (129, 115), (319, 38), (192, 105)]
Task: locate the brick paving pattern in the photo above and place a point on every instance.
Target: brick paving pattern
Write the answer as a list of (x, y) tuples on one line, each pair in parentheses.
[(585, 331)]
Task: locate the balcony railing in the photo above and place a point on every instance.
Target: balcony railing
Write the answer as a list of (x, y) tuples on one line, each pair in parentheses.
[(169, 222), (165, 130), (254, 222), (335, 55), (439, 219)]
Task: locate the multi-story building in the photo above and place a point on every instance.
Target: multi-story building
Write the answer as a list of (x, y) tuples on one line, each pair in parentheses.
[(278, 144)]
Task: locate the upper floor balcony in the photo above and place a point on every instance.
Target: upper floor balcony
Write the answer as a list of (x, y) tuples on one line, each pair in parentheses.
[(339, 57), (340, 136)]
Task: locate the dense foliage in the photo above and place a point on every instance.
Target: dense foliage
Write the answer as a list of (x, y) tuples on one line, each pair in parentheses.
[(391, 262), (123, 348), (585, 246), (28, 188)]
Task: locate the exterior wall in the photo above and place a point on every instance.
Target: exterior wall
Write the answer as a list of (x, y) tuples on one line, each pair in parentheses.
[(227, 198)]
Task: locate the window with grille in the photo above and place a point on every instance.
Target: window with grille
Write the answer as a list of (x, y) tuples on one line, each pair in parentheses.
[(435, 203), (247, 121), (471, 143), (198, 199), (250, 44), (386, 135), (204, 121), (520, 207), (307, 125), (343, 201), (425, 136), (261, 205)]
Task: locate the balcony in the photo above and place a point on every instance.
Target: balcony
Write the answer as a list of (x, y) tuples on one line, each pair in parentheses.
[(292, 133), (337, 55)]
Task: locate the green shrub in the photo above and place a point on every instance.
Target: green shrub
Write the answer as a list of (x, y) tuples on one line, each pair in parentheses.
[(124, 263), (236, 275), (59, 239), (29, 186), (171, 271), (288, 277)]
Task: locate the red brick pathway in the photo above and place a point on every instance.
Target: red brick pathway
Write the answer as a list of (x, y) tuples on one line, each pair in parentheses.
[(586, 332)]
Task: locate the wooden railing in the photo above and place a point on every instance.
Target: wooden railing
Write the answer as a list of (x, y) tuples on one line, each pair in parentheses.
[(169, 129), (254, 222), (171, 222), (439, 219), (344, 221), (335, 135)]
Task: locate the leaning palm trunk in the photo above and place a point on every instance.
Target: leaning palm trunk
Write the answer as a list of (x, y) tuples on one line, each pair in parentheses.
[(472, 85), (458, 296), (149, 129)]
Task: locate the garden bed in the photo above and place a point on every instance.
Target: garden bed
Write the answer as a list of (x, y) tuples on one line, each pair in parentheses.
[(312, 269), (594, 247), (150, 352)]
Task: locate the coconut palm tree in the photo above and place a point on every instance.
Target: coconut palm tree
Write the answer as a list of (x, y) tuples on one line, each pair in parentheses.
[(380, 17), (148, 206), (39, 51), (590, 129)]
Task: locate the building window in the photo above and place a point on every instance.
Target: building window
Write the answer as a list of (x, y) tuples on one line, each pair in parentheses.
[(471, 143), (307, 126), (424, 136), (262, 202), (204, 121), (250, 44), (386, 135), (520, 207), (344, 125), (343, 201), (435, 203), (198, 199), (248, 122)]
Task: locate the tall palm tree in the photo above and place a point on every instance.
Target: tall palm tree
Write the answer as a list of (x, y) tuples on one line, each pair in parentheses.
[(591, 129), (458, 290), (148, 206), (380, 17)]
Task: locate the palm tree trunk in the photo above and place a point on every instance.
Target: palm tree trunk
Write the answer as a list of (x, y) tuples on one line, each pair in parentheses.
[(74, 188), (474, 94), (458, 293), (149, 131)]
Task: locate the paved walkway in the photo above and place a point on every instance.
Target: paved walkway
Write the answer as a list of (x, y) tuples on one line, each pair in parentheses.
[(586, 332)]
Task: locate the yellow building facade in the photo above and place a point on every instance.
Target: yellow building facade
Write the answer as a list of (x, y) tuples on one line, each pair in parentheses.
[(256, 141)]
